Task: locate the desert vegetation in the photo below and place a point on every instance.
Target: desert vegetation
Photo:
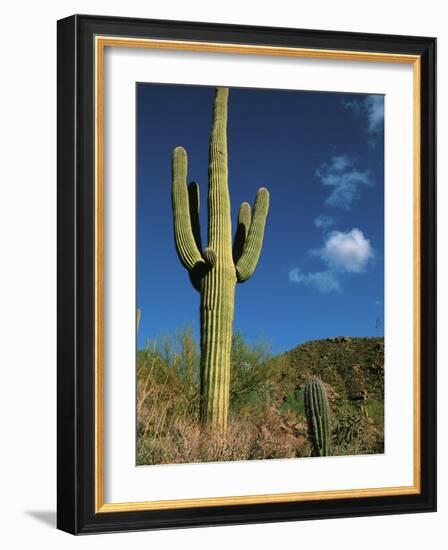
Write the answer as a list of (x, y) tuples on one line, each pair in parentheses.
[(267, 415)]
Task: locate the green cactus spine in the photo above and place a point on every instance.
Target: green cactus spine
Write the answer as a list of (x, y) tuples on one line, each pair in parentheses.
[(317, 411), (215, 270)]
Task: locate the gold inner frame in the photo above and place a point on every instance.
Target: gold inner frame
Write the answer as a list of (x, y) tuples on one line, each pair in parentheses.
[(101, 42)]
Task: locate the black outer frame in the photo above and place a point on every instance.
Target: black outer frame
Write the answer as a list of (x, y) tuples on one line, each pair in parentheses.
[(75, 385)]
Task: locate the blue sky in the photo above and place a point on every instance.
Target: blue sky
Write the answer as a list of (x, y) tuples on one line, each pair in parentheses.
[(321, 155)]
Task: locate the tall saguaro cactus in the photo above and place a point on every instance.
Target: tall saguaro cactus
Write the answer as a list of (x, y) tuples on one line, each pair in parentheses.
[(215, 270), (317, 410)]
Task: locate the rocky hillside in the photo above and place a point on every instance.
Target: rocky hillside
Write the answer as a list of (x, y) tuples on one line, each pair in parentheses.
[(353, 367), (352, 370)]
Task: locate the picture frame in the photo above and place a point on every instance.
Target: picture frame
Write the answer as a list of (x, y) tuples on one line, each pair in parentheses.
[(82, 195)]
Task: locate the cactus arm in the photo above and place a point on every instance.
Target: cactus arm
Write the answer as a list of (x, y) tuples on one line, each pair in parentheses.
[(186, 245), (199, 271), (247, 263), (194, 204), (210, 257), (242, 230)]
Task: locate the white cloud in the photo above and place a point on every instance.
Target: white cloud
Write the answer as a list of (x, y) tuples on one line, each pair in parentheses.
[(342, 253), (349, 252), (354, 105), (371, 109), (340, 163), (344, 179), (324, 281), (323, 221), (374, 107)]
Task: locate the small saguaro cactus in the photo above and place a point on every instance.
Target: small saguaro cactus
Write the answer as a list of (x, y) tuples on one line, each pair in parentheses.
[(215, 270), (138, 317), (317, 410)]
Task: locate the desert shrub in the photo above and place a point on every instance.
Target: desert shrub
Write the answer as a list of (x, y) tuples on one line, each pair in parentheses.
[(294, 401), (251, 378), (356, 433)]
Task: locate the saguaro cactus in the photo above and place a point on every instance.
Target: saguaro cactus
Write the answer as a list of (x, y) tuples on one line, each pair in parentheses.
[(215, 270), (317, 412)]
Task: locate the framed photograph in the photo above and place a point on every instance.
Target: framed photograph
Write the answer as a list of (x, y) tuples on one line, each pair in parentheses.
[(246, 274)]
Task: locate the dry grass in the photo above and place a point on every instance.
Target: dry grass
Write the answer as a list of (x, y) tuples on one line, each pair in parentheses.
[(184, 441)]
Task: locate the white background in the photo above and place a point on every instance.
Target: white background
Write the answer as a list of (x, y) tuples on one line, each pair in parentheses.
[(28, 273)]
